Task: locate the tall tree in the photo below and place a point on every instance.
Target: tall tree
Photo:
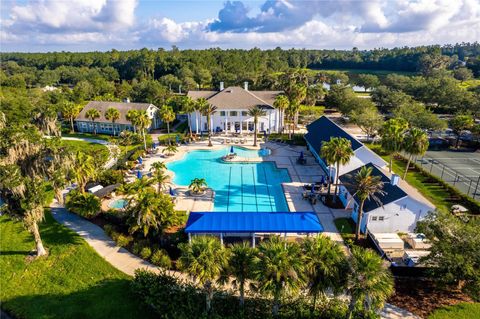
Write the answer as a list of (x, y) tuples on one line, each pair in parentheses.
[(188, 107), (459, 123), (204, 259), (112, 114), (132, 116), (144, 123), (415, 144), (83, 169), (338, 151), (159, 175), (369, 120), (279, 269), (240, 267), (208, 112), (93, 114), (281, 104), (255, 112), (368, 81), (167, 116), (149, 210), (201, 105), (370, 283), (392, 136), (70, 111), (325, 266), (366, 186)]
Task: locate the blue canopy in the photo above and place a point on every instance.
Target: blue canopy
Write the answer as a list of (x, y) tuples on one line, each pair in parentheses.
[(139, 174), (231, 149), (140, 160), (250, 222), (172, 193)]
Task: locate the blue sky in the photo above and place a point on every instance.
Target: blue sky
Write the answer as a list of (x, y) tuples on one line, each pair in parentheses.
[(82, 25)]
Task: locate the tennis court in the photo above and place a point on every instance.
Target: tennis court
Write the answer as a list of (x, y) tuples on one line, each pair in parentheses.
[(460, 169)]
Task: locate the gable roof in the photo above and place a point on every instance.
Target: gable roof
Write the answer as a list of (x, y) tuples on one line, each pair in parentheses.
[(103, 106), (323, 129), (392, 192), (235, 97), (249, 222)]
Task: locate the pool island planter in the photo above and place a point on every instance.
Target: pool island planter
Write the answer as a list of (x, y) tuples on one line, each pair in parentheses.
[(252, 224)]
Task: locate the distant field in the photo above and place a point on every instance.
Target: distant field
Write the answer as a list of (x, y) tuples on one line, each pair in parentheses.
[(359, 71)]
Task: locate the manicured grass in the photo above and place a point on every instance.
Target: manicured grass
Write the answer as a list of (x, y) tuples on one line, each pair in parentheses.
[(460, 311), (96, 150), (72, 282), (89, 135), (433, 192), (346, 227)]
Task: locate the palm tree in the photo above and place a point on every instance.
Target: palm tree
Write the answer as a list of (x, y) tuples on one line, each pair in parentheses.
[(58, 181), (279, 268), (370, 283), (70, 111), (416, 143), (143, 123), (240, 266), (337, 151), (83, 170), (281, 103), (255, 112), (201, 105), (167, 115), (159, 177), (188, 108), (93, 114), (392, 136), (86, 205), (197, 185), (149, 210), (204, 258), (159, 166), (325, 266), (170, 149), (132, 117), (208, 111), (366, 186), (112, 114)]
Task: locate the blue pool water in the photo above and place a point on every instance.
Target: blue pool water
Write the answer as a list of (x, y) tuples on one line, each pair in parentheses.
[(118, 203), (252, 187)]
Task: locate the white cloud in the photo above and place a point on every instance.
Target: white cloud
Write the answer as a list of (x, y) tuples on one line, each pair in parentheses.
[(103, 24)]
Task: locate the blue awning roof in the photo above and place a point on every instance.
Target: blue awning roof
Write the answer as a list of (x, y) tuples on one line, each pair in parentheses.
[(249, 222)]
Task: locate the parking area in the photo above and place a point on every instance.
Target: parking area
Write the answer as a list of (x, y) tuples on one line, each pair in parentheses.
[(460, 169)]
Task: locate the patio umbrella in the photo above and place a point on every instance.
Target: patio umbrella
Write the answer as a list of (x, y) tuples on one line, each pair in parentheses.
[(265, 134), (172, 193), (177, 139), (140, 160), (313, 188), (231, 149), (154, 145), (139, 174), (322, 179), (301, 155)]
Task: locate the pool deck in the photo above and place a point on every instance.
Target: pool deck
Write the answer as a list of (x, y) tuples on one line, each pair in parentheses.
[(285, 156)]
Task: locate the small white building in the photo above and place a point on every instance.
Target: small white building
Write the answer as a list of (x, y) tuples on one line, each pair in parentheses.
[(233, 104), (400, 209)]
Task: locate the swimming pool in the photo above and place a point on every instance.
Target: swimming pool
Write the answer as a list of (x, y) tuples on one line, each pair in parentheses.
[(253, 187), (118, 203)]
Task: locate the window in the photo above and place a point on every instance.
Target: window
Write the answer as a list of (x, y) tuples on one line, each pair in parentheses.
[(374, 218), (244, 113), (380, 218), (233, 113), (222, 113)]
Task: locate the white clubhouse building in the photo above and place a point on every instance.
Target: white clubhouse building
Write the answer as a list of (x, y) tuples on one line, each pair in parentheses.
[(233, 104)]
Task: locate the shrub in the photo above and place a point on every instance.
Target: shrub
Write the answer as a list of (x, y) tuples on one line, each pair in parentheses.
[(136, 154), (110, 177), (161, 259), (137, 247), (109, 229), (123, 240), (86, 205), (145, 253)]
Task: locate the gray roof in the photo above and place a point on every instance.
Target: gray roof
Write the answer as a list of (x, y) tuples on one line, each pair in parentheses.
[(102, 107), (235, 97)]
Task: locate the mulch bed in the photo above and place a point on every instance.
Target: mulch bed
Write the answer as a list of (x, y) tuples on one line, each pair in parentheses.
[(422, 296)]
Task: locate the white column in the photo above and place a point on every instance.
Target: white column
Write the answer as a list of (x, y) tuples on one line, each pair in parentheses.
[(196, 121), (189, 237), (269, 121), (226, 121), (253, 240), (241, 122), (221, 239), (211, 123)]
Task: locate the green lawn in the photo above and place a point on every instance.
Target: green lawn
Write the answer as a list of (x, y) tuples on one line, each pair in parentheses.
[(89, 135), (460, 311), (98, 151), (346, 227), (72, 282), (433, 192)]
